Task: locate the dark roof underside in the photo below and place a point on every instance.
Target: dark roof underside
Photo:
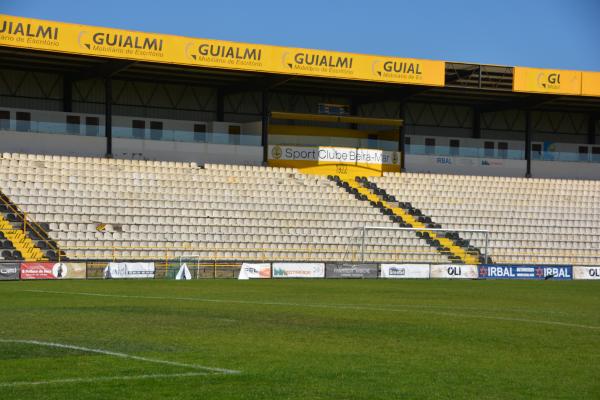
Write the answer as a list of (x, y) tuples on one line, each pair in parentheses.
[(488, 88)]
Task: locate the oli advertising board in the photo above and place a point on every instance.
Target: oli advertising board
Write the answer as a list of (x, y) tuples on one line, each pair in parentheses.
[(454, 271), (586, 272)]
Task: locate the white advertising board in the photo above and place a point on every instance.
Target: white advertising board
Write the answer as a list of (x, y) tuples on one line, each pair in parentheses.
[(298, 270), (586, 272), (141, 270), (465, 165), (405, 271), (255, 271), (184, 273), (333, 155), (454, 271)]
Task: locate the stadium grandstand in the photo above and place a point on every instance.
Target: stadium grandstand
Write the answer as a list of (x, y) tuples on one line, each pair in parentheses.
[(118, 145)]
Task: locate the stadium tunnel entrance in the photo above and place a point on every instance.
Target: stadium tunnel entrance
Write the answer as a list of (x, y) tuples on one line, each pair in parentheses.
[(343, 145)]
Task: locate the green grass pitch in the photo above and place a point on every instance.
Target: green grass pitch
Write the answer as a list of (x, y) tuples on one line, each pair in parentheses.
[(299, 339)]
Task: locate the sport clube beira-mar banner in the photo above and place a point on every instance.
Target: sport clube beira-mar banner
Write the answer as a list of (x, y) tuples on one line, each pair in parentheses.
[(139, 46), (306, 157)]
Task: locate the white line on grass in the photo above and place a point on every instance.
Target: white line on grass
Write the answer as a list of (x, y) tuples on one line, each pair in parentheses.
[(418, 306), (331, 306), (102, 379), (121, 355)]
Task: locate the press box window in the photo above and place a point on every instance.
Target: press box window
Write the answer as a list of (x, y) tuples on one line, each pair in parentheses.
[(429, 146), (502, 150), (583, 153), (372, 140), (138, 129), (200, 133), (92, 126), (536, 151), (4, 120), (454, 147), (596, 154), (23, 121), (156, 130), (73, 122), (234, 134), (488, 149)]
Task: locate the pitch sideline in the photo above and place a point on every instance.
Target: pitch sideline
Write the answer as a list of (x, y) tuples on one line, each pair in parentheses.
[(331, 306), (207, 370), (102, 379)]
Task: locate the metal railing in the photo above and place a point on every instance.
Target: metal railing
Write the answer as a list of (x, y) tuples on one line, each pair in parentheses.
[(26, 222), (349, 252), (199, 269), (485, 233)]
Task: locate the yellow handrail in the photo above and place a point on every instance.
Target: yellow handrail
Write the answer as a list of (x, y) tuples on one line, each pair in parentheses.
[(41, 232)]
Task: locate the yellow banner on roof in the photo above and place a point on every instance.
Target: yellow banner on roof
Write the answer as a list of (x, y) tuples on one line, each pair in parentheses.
[(139, 46), (537, 80), (226, 55), (590, 83), (88, 40)]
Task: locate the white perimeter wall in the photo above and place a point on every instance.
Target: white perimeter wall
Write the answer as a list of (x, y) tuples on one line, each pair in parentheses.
[(465, 165), (566, 170), (73, 145)]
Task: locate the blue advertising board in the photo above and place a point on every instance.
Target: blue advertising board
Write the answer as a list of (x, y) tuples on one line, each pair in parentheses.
[(501, 271)]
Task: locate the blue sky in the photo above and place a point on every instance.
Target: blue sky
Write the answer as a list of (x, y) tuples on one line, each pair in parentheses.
[(550, 34)]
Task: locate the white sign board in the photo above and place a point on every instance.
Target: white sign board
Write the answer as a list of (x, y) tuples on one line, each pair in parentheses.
[(405, 271), (454, 271), (298, 270), (255, 271), (587, 273), (465, 165), (333, 155), (141, 270), (184, 273)]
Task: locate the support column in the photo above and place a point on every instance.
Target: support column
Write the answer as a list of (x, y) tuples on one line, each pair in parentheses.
[(265, 126), (528, 129), (592, 121), (220, 106), (67, 94), (108, 116), (353, 112), (402, 139), (476, 123)]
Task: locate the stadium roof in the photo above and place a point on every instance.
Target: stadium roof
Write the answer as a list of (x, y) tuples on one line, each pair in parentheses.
[(84, 52)]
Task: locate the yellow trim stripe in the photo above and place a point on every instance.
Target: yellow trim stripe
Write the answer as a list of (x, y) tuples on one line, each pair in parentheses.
[(337, 119), (454, 249), (21, 241), (303, 130)]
